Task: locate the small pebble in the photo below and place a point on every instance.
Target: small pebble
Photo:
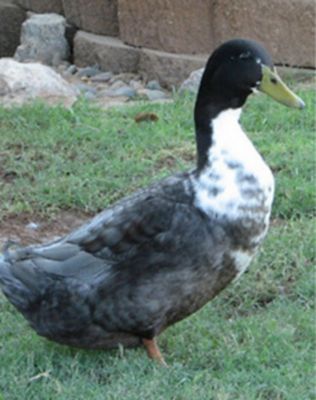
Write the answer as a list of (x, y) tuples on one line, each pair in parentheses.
[(136, 84), (83, 88), (192, 83), (89, 95), (32, 226), (102, 93), (71, 70), (88, 72), (153, 85), (124, 76), (155, 95), (124, 91), (62, 67), (102, 77), (118, 84)]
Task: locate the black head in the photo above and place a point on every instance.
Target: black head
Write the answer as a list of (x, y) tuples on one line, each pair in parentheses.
[(235, 70)]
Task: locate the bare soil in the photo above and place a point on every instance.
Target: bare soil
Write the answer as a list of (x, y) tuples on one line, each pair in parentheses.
[(25, 229)]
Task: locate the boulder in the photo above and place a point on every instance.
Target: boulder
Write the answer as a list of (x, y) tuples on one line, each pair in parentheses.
[(11, 19), (43, 39), (110, 54), (40, 6), (96, 16), (20, 83)]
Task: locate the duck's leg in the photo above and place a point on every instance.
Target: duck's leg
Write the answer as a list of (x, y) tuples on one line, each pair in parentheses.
[(153, 351)]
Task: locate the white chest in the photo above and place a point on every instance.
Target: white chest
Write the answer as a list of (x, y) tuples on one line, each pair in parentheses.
[(237, 184)]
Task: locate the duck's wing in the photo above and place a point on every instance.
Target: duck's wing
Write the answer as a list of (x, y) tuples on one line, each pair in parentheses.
[(110, 238)]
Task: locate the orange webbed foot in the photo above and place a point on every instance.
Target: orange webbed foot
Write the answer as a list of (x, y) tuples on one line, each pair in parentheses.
[(153, 351)]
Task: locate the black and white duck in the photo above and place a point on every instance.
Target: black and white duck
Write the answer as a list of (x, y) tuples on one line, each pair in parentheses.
[(158, 256)]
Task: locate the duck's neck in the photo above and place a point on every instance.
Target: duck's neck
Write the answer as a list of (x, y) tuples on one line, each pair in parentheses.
[(207, 120), (212, 101), (233, 180)]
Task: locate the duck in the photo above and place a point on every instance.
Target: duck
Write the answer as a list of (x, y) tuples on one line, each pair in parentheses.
[(162, 253)]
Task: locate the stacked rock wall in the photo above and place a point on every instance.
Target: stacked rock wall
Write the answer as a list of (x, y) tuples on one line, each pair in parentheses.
[(287, 27), (100, 17), (170, 38)]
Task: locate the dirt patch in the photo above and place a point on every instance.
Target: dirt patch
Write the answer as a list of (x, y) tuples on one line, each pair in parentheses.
[(27, 229)]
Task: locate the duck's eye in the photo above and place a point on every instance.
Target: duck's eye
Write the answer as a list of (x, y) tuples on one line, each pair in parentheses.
[(245, 56), (274, 81)]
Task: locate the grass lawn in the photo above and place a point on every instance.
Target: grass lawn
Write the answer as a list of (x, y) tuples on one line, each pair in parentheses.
[(254, 341)]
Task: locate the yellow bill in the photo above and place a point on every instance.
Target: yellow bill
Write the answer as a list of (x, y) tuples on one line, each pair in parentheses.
[(273, 86)]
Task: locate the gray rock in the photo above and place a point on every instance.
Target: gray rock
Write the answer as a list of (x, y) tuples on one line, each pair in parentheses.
[(125, 77), (153, 95), (72, 69), (32, 226), (124, 91), (153, 85), (43, 39), (192, 83), (137, 85), (62, 68), (21, 83), (88, 71), (102, 93), (89, 95), (117, 84), (102, 77), (84, 88)]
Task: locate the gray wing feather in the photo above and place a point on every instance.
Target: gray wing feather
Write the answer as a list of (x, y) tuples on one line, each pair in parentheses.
[(112, 236)]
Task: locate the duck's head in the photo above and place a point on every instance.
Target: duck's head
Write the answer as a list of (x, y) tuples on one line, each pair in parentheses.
[(238, 68)]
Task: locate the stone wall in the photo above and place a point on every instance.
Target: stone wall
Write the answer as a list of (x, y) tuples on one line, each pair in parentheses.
[(286, 27), (96, 16), (172, 37), (174, 26), (40, 6)]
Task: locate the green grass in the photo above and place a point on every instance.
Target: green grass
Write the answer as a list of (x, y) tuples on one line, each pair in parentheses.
[(85, 158), (254, 341)]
